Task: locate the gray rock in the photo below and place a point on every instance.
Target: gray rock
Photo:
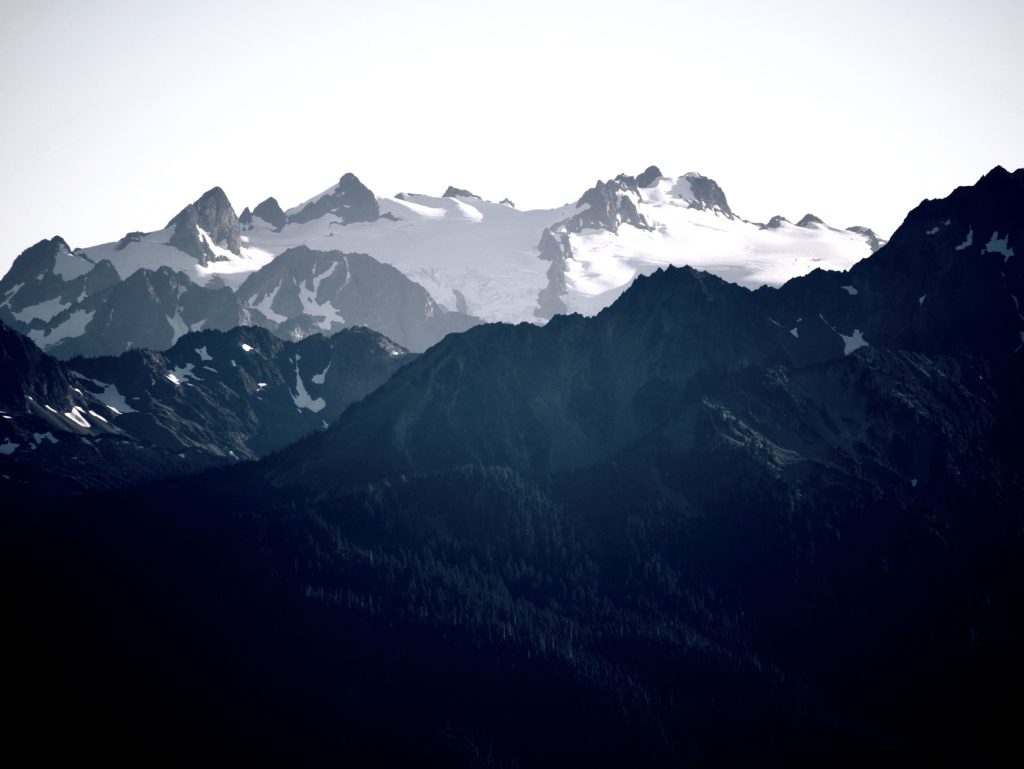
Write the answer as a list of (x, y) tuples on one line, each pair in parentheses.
[(870, 236), (775, 222), (648, 177), (809, 220), (270, 212), (608, 206), (708, 196), (455, 192), (214, 214), (350, 201)]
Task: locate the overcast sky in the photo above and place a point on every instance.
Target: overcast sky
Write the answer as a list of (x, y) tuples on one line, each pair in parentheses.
[(117, 113)]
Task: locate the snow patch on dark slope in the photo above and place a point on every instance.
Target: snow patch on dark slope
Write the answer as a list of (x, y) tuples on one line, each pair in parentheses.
[(213, 397)]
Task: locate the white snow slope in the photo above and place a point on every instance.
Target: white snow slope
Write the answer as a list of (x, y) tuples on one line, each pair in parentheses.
[(482, 257), (488, 251)]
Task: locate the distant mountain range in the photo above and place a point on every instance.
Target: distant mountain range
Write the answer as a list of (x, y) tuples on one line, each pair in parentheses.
[(421, 266)]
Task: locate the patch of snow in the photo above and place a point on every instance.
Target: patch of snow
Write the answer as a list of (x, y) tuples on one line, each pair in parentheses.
[(9, 294), (178, 326), (76, 416), (51, 408), (70, 266), (247, 347), (997, 245), (203, 355), (795, 332), (265, 306), (209, 368), (99, 417), (7, 447), (913, 483), (42, 311), (170, 377), (38, 438), (73, 326), (109, 396), (968, 241), (850, 290), (326, 312), (932, 231), (302, 398), (920, 299), (183, 374), (427, 212), (318, 279), (319, 378), (853, 342)]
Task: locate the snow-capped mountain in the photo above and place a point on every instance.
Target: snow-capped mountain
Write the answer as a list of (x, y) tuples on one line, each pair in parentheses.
[(502, 264), (472, 259)]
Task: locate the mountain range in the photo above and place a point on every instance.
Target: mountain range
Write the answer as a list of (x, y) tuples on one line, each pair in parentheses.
[(704, 522), (413, 267)]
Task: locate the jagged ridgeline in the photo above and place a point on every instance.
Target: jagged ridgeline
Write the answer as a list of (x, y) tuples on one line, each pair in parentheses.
[(709, 525), (413, 267)]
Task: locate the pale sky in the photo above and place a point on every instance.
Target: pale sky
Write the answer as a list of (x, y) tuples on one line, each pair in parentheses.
[(117, 113)]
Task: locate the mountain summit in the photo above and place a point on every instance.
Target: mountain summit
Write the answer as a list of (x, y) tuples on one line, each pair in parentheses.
[(350, 200)]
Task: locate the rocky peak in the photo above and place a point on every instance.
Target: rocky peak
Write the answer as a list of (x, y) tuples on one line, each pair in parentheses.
[(609, 207), (703, 194), (869, 235), (350, 201), (810, 220), (214, 215), (34, 261), (775, 222), (270, 212), (648, 177), (456, 192)]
